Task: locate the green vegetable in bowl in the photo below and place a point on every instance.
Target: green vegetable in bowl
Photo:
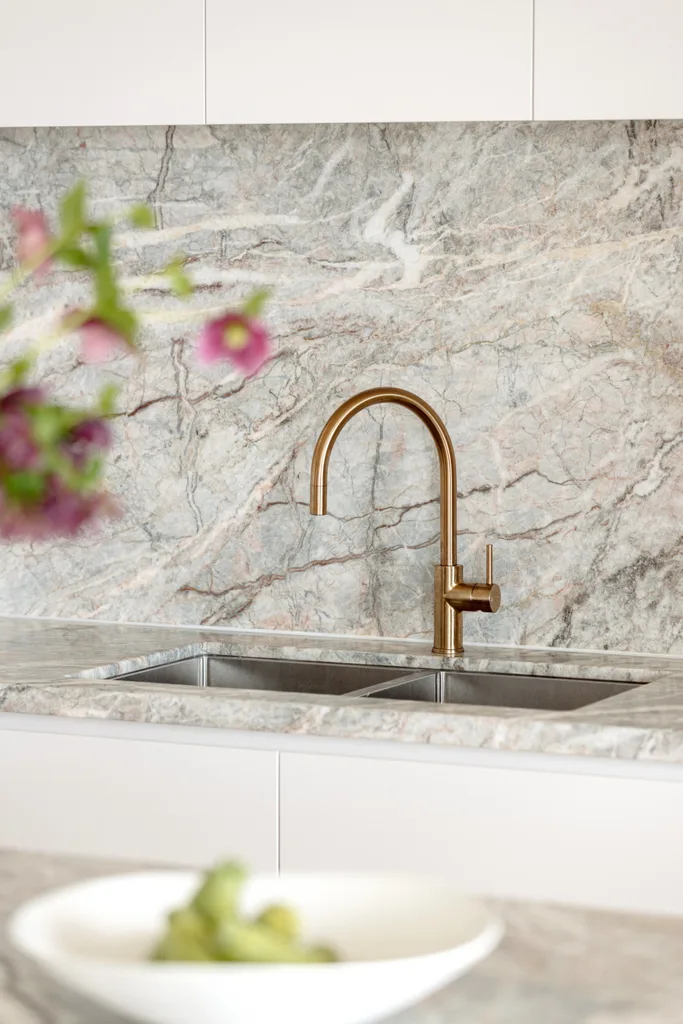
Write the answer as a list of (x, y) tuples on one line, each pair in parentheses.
[(212, 928), (188, 937), (218, 896), (281, 920)]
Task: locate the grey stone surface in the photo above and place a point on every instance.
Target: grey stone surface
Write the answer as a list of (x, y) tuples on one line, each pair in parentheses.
[(66, 669), (555, 965), (524, 278)]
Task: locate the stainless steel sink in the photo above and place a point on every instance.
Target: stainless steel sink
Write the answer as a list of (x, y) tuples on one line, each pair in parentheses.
[(447, 687), (492, 689), (268, 674)]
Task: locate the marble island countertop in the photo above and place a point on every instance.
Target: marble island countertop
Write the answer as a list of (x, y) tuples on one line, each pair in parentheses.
[(555, 965), (51, 667)]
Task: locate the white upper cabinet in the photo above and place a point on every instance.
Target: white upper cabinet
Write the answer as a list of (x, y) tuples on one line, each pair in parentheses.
[(86, 62), (303, 61), (146, 62), (608, 59)]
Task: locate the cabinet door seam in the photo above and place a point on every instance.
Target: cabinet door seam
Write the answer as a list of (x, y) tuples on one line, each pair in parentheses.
[(278, 830), (533, 60)]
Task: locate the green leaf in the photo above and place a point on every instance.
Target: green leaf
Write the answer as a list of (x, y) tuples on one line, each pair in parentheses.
[(72, 212), (124, 321), (51, 423), (16, 373), (141, 216), (6, 314), (75, 257), (91, 474), (107, 399), (178, 278), (106, 291), (101, 233), (106, 286), (24, 487), (254, 305)]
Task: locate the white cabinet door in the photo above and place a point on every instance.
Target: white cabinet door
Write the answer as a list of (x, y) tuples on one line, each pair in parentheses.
[(611, 59), (87, 62), (593, 840), (167, 802), (303, 61)]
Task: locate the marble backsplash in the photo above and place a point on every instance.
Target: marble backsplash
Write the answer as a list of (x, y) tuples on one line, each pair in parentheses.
[(523, 278)]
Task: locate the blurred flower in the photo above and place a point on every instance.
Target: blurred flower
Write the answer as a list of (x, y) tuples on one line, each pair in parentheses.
[(86, 440), (99, 341), (60, 513), (51, 467), (18, 449), (17, 398), (94, 432), (241, 339), (33, 236), (67, 511)]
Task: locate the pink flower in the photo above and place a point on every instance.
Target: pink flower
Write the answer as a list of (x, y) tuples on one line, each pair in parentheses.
[(21, 397), (93, 432), (66, 511), (99, 341), (18, 450), (61, 512), (86, 440), (42, 496), (33, 237), (241, 339)]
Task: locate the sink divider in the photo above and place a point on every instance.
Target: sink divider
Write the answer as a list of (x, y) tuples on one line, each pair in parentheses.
[(370, 691), (203, 670)]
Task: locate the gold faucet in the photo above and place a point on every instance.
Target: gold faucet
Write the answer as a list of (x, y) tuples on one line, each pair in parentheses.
[(452, 595)]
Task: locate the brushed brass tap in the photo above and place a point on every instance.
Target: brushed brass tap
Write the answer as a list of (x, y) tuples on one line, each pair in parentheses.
[(452, 595)]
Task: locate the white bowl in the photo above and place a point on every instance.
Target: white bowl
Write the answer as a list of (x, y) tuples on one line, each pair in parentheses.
[(400, 938)]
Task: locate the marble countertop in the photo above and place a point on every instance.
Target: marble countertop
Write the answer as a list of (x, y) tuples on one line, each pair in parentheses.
[(51, 667), (555, 965)]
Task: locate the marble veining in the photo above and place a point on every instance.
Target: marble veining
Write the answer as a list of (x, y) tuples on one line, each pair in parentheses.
[(556, 965), (66, 669), (522, 278)]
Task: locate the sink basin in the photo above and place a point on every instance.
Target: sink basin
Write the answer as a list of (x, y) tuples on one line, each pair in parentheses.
[(446, 687), (542, 693), (268, 674)]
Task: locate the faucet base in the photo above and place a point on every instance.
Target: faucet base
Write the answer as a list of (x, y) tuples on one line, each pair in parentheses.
[(447, 619)]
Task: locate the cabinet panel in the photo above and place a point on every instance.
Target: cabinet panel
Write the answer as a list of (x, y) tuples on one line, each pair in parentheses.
[(165, 802), (83, 62), (592, 840), (368, 60), (608, 59)]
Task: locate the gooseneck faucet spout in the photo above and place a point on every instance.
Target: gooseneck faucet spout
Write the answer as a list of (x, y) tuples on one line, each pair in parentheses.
[(452, 595), (444, 446)]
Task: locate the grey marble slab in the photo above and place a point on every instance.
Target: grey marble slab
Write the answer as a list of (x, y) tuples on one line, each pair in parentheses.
[(555, 965), (66, 669), (523, 278)]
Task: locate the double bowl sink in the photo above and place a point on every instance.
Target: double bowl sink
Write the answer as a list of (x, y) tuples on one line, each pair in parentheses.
[(388, 683)]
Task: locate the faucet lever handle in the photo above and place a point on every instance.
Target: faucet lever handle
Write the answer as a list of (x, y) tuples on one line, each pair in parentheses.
[(486, 596), (489, 564)]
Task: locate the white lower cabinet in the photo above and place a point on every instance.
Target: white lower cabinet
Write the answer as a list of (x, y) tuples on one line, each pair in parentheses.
[(169, 802), (572, 838), (513, 825)]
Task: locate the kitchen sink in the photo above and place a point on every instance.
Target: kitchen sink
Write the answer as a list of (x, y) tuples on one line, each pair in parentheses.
[(268, 674), (490, 689), (543, 693)]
